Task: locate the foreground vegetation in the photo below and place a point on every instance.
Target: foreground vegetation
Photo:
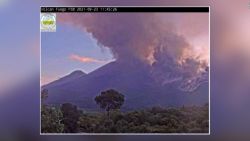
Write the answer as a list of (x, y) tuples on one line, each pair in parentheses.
[(155, 120), (69, 119)]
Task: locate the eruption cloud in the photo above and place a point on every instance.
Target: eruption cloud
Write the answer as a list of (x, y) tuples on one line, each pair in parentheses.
[(158, 40)]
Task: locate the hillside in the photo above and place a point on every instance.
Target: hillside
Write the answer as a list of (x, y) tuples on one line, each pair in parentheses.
[(134, 80)]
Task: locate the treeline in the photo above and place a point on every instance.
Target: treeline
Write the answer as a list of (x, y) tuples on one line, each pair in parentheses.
[(69, 119)]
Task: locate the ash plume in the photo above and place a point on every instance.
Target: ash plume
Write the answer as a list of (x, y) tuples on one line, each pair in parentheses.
[(151, 38)]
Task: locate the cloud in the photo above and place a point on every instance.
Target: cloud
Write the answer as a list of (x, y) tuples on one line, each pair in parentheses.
[(84, 59), (155, 39), (136, 36)]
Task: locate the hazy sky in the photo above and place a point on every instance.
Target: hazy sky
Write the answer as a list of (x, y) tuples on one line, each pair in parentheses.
[(69, 49)]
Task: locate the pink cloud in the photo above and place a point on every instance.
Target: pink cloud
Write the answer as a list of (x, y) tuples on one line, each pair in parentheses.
[(84, 59)]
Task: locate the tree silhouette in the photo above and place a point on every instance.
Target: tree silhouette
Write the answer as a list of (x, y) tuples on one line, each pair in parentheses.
[(51, 117), (70, 117), (110, 100), (44, 95)]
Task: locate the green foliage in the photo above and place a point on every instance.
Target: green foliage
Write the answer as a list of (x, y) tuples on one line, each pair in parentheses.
[(51, 117), (70, 117), (192, 119), (51, 120), (110, 100)]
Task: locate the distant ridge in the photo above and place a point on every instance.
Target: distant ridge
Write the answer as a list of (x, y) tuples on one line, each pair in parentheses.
[(73, 75)]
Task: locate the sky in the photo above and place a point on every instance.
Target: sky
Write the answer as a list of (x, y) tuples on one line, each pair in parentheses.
[(69, 49)]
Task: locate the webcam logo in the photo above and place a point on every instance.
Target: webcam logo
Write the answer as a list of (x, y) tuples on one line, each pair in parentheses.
[(48, 22)]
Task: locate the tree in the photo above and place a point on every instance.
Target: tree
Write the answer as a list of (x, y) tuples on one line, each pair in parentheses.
[(51, 117), (70, 117), (44, 95), (110, 100)]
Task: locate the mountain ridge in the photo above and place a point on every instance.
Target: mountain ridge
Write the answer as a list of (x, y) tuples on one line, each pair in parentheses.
[(69, 77), (133, 79)]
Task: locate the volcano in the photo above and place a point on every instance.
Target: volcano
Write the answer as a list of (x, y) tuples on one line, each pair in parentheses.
[(135, 80)]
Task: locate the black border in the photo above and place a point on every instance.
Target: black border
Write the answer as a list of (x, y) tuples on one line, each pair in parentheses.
[(121, 9)]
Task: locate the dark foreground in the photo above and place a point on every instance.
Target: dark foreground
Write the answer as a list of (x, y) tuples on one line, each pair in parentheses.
[(68, 119)]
